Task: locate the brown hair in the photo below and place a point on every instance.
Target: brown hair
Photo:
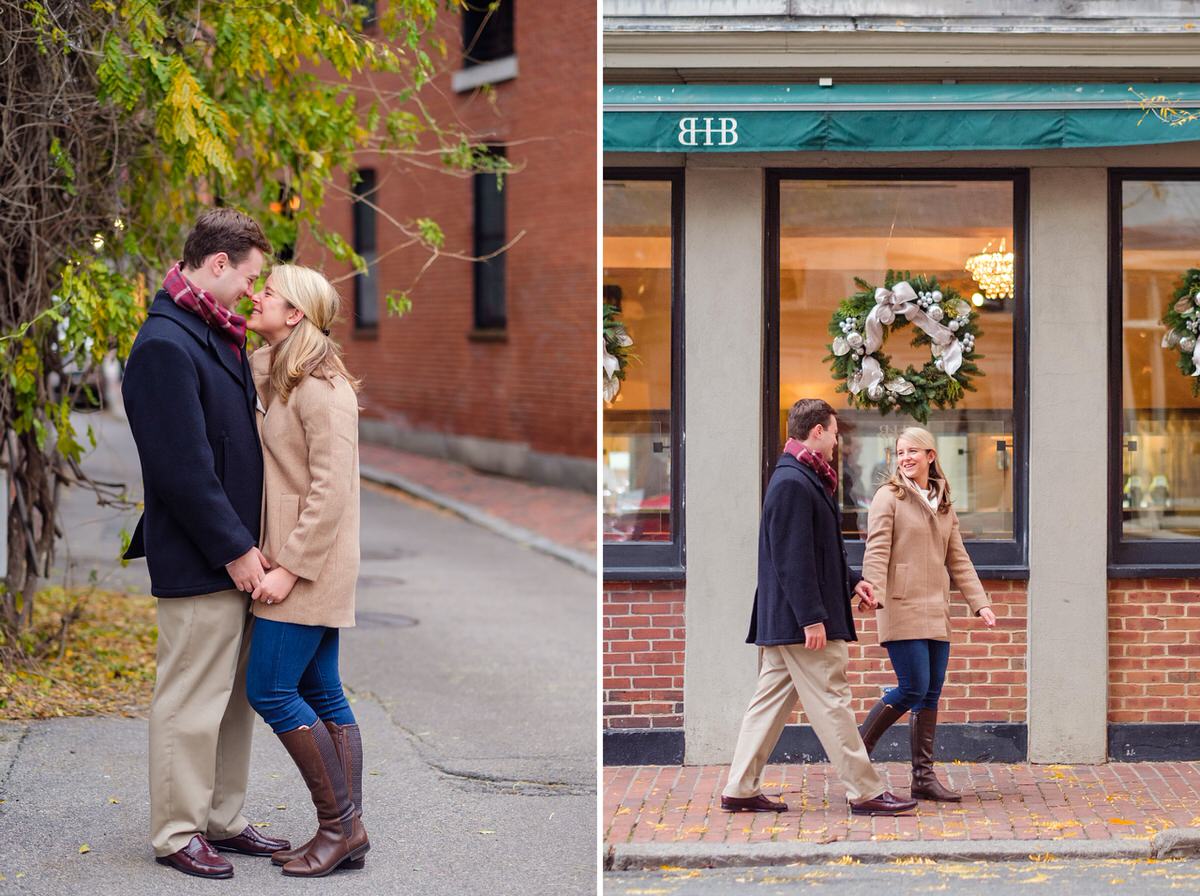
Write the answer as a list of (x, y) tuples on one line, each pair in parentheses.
[(923, 439), (807, 413), (308, 350), (223, 230)]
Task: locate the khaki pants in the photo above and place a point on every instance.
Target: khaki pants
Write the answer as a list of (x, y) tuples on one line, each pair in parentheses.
[(817, 678), (200, 722)]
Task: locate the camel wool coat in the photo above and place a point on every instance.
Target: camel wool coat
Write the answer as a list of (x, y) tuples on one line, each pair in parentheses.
[(912, 554), (310, 517)]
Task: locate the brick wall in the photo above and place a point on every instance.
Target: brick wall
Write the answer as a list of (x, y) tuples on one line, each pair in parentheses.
[(644, 651), (424, 371), (643, 654), (1154, 650)]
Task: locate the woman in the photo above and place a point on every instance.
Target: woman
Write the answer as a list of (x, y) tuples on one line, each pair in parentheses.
[(914, 549), (308, 417)]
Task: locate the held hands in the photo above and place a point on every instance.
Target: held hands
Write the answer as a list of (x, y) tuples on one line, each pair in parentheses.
[(814, 636), (988, 617), (275, 586), (866, 596), (247, 571)]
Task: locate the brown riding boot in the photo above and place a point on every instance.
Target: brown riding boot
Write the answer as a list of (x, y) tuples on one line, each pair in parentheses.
[(922, 725), (340, 836), (878, 720), (348, 743)]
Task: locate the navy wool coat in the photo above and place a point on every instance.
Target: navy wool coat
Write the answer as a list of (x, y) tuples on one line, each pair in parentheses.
[(190, 401), (803, 574)]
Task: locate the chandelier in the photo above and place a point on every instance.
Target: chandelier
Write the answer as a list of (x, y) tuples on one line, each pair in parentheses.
[(993, 271)]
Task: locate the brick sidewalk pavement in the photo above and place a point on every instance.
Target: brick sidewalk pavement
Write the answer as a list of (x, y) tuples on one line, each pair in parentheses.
[(563, 516), (1118, 801)]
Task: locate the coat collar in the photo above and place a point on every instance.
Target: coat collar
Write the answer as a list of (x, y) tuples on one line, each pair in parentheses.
[(163, 306), (917, 495), (788, 460), (260, 368)]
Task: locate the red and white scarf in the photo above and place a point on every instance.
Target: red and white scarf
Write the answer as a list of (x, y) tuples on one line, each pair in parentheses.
[(824, 471), (200, 302)]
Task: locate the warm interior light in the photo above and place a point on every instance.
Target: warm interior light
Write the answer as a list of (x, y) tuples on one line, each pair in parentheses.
[(993, 271)]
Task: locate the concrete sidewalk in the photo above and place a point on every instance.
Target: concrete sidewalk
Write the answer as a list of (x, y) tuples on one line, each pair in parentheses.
[(556, 521), (670, 815), (472, 672)]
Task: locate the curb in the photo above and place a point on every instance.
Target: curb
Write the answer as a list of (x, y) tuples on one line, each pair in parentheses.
[(472, 514), (653, 856)]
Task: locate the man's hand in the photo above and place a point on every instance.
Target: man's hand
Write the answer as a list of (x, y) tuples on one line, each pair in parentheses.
[(276, 586), (247, 570), (814, 636), (866, 596)]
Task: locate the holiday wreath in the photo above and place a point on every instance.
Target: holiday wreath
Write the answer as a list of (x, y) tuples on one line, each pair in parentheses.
[(1182, 321), (943, 320)]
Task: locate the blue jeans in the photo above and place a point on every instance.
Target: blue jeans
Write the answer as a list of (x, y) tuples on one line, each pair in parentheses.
[(292, 677), (920, 666)]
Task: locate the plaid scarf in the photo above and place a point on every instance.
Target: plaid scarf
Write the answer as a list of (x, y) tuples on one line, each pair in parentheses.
[(824, 471), (187, 295)]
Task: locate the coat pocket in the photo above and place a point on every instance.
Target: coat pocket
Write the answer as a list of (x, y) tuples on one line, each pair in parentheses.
[(899, 589), (283, 513)]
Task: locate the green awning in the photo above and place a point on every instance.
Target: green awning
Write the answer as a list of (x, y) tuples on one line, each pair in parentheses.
[(893, 117)]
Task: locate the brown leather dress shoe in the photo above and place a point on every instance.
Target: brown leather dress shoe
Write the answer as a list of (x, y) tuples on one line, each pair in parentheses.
[(198, 859), (884, 804), (251, 843), (758, 803)]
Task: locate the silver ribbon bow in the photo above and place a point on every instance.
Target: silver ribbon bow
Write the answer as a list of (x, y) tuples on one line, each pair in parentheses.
[(869, 379), (902, 299)]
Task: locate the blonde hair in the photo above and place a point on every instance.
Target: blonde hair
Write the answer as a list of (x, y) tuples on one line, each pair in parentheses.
[(308, 350), (922, 438)]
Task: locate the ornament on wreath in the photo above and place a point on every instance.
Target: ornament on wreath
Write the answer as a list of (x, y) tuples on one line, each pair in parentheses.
[(944, 322), (1182, 320)]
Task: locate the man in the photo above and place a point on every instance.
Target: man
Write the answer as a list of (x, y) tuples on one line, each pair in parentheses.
[(190, 399), (802, 621)]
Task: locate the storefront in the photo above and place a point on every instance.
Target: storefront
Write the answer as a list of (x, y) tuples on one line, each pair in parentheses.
[(737, 217)]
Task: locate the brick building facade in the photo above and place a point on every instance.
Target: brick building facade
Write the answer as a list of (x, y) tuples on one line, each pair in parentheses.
[(743, 220), (513, 395)]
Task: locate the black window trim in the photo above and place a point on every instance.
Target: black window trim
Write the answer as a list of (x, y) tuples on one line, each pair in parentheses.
[(1007, 559), (365, 198), (1133, 559), (487, 319), (661, 561), (505, 14)]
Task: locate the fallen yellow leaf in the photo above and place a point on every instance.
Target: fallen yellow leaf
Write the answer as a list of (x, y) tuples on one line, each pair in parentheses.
[(84, 848)]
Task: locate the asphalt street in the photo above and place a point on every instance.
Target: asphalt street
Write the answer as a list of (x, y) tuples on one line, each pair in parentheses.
[(472, 672), (1062, 878)]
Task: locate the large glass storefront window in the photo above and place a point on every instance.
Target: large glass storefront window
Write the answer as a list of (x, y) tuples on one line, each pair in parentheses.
[(834, 230), (1158, 463), (641, 457)]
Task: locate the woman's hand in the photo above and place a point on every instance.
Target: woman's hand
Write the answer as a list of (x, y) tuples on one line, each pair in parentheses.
[(986, 614), (275, 586), (866, 596)]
